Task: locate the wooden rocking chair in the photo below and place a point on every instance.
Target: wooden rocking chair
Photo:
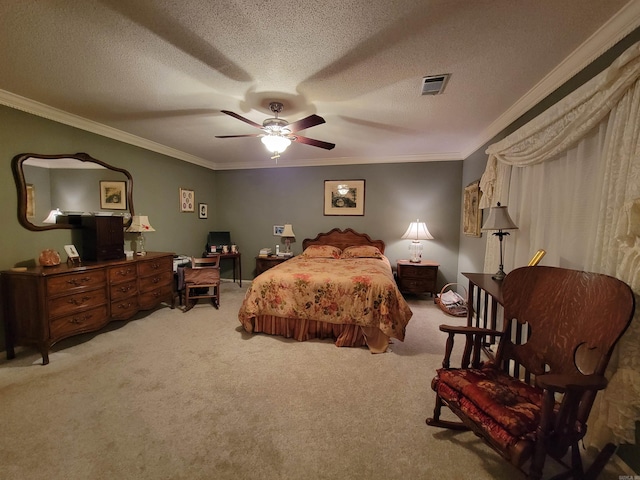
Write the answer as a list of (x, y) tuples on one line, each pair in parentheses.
[(533, 400)]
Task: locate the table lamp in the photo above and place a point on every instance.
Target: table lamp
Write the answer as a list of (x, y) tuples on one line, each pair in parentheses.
[(499, 220), (289, 236), (417, 231), (139, 225)]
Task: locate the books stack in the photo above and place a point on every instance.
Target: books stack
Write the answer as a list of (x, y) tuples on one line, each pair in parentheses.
[(284, 254), (265, 252)]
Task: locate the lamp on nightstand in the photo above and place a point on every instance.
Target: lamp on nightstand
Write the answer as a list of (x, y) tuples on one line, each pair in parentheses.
[(139, 225), (289, 236), (417, 231)]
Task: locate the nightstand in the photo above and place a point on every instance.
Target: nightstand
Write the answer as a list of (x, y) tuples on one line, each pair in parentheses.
[(265, 263), (417, 277)]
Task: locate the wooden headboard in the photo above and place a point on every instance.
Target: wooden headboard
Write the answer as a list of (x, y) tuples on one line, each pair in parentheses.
[(343, 239)]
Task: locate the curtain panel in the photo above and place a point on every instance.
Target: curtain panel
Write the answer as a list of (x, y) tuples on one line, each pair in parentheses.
[(571, 180)]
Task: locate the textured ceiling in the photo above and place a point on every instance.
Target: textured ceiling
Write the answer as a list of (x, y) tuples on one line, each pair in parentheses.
[(157, 73)]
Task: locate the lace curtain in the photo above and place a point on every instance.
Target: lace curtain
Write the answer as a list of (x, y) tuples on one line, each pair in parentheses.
[(571, 180)]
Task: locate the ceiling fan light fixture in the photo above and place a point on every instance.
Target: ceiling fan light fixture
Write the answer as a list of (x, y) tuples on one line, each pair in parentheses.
[(275, 143)]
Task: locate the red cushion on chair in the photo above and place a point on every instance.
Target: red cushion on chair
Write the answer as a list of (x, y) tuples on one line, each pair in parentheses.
[(513, 405)]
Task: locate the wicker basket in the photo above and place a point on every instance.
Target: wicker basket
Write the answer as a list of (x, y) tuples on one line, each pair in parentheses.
[(458, 309)]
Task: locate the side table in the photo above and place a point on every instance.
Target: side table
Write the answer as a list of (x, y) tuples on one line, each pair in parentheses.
[(417, 278), (265, 263)]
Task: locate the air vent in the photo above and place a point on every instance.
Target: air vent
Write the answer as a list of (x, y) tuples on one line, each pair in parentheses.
[(434, 85)]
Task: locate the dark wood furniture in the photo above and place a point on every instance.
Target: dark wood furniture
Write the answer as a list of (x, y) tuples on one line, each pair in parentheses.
[(202, 280), (417, 278), (265, 263), (533, 400), (102, 238), (43, 305)]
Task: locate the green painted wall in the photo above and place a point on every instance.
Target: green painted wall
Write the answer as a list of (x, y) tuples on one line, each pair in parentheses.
[(157, 179)]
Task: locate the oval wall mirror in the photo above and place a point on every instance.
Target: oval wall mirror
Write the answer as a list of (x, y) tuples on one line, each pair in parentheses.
[(55, 191)]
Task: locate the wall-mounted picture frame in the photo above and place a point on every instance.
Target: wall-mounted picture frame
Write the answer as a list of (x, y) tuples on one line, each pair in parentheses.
[(31, 201), (113, 195), (277, 230), (203, 210), (187, 200), (344, 197), (472, 215)]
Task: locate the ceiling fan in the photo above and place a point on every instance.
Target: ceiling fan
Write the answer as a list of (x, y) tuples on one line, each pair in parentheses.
[(278, 133)]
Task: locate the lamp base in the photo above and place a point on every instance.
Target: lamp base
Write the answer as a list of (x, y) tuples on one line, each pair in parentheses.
[(139, 245), (499, 274), (415, 248)]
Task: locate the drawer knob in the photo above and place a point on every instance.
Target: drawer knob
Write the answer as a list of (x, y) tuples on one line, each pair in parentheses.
[(125, 288), (78, 301), (80, 320), (78, 281)]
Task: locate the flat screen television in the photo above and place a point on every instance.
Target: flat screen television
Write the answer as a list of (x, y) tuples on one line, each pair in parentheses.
[(218, 239)]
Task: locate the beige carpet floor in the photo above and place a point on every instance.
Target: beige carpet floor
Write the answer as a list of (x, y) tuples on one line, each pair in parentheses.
[(173, 395)]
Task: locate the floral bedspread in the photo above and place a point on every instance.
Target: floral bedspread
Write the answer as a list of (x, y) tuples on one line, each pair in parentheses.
[(359, 291)]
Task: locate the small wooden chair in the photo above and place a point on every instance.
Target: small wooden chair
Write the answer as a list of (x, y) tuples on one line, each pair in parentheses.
[(533, 399), (202, 280)]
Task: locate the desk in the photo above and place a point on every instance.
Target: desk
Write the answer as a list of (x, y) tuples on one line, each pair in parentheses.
[(237, 264)]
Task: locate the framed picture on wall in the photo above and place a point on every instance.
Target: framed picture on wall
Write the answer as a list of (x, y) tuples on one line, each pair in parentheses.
[(113, 195), (203, 210), (31, 200), (472, 215), (344, 197), (187, 200)]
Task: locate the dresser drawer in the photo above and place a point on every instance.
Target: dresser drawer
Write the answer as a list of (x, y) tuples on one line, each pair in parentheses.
[(76, 301), (79, 322), (125, 308), (160, 279), (123, 290), (63, 284), (122, 273), (409, 271), (153, 298), (411, 284), (149, 267)]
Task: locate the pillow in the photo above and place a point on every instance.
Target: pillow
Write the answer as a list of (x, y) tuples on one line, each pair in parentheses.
[(322, 251), (362, 251)]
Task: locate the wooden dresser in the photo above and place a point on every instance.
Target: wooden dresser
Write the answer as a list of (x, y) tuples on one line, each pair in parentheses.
[(43, 305)]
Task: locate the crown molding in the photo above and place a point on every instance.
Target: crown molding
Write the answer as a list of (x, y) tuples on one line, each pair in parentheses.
[(619, 26), (45, 111), (323, 162)]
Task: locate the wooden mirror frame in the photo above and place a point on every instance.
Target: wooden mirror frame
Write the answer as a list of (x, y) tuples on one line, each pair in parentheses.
[(21, 186)]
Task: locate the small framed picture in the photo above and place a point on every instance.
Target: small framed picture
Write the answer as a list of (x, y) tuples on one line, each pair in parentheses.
[(472, 215), (187, 200), (203, 210), (113, 195), (344, 197), (71, 250), (277, 230)]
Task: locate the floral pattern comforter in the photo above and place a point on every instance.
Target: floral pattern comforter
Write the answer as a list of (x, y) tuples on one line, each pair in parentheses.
[(360, 291)]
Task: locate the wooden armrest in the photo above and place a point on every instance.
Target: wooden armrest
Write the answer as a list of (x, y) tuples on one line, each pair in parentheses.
[(473, 344), (469, 330), (561, 383)]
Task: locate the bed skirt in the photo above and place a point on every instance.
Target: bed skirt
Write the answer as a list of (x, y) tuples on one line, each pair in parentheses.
[(301, 330)]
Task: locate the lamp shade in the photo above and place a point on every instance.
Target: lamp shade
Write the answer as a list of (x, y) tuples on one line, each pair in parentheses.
[(275, 143), (140, 223), (417, 231), (499, 219), (288, 231)]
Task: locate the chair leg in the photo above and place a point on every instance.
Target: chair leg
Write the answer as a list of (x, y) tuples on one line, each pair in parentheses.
[(436, 422)]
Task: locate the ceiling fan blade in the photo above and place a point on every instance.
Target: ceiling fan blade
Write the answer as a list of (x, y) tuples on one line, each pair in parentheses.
[(241, 118), (315, 143), (238, 136), (307, 122)]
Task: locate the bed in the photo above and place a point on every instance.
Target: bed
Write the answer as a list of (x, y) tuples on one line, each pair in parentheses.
[(340, 287)]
